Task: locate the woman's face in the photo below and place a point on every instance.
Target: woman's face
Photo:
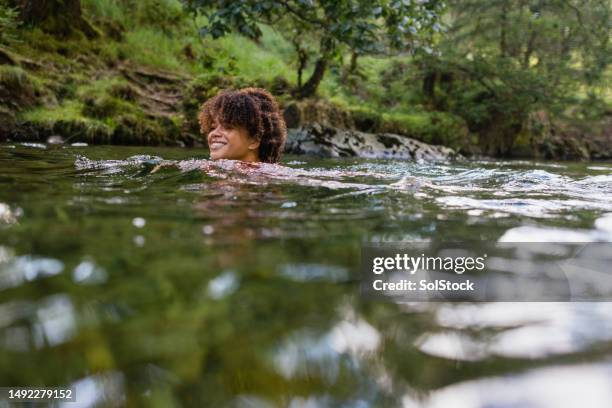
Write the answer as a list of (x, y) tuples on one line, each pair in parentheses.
[(232, 143)]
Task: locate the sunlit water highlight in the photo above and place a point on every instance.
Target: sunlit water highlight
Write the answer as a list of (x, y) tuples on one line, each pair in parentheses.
[(140, 275)]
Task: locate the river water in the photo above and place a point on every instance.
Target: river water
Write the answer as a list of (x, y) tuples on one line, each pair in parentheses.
[(151, 276)]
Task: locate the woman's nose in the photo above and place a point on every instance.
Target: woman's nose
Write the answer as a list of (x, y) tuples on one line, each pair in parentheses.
[(216, 131)]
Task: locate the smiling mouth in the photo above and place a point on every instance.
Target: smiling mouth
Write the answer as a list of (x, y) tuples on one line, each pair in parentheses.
[(216, 145)]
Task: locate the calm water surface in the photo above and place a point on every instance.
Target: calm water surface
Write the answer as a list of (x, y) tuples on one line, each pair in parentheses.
[(213, 284)]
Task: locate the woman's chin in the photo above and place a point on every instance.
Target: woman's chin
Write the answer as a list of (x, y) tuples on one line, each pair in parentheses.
[(216, 155)]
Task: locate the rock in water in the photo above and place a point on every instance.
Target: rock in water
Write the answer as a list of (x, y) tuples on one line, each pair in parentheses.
[(319, 140), (55, 139)]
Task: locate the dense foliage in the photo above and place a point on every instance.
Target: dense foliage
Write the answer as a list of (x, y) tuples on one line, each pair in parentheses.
[(502, 60), (321, 30), (9, 21), (498, 77)]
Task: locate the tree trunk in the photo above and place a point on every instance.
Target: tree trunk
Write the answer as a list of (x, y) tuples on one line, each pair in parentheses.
[(353, 64), (302, 61), (302, 57), (310, 87), (503, 44), (429, 86), (529, 50), (61, 17)]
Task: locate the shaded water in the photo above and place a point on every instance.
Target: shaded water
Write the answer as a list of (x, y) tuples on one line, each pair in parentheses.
[(209, 284)]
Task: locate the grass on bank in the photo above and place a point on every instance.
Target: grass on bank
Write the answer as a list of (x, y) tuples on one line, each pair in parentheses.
[(70, 111), (159, 35)]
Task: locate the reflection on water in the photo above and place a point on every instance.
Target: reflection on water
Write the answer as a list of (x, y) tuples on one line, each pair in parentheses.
[(223, 285), (98, 390), (555, 386), (521, 330), (19, 269), (56, 320), (147, 276), (8, 215), (304, 353), (88, 273)]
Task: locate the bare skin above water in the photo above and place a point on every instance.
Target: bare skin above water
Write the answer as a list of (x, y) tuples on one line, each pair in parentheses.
[(263, 173)]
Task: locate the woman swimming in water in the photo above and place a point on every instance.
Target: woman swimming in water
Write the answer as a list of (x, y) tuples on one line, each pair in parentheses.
[(245, 125), (246, 134)]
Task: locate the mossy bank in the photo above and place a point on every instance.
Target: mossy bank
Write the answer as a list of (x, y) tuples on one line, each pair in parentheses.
[(135, 73)]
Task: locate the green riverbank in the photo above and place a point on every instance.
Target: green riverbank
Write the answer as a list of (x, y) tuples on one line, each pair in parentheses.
[(135, 73)]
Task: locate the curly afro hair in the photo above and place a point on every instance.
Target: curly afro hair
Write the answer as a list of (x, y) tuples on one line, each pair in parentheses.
[(254, 109)]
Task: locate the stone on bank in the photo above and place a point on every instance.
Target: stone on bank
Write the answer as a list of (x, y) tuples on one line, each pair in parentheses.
[(324, 141)]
